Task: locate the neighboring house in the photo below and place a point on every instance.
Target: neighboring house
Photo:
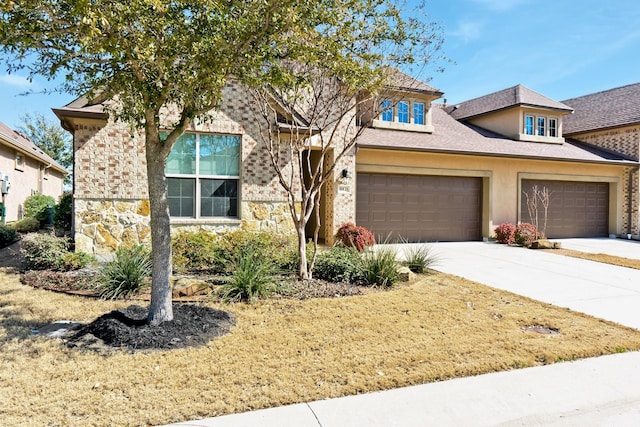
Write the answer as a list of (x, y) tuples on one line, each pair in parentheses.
[(611, 120), (28, 169), (422, 171)]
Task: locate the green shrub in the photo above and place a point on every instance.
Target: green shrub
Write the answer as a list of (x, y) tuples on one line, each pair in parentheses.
[(339, 264), (36, 206), (7, 235), (418, 258), (354, 236), (44, 251), (75, 261), (525, 234), (252, 276), (381, 267), (196, 251), (126, 274), (26, 225), (62, 213), (279, 250)]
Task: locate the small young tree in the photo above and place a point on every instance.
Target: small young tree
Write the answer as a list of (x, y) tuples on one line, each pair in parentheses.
[(542, 196)]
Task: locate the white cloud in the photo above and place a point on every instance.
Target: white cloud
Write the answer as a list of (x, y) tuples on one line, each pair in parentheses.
[(14, 80), (500, 5), (467, 30)]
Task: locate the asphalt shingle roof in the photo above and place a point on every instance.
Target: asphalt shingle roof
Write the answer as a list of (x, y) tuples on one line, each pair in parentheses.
[(452, 136), (602, 110), (404, 82), (511, 97), (14, 138)]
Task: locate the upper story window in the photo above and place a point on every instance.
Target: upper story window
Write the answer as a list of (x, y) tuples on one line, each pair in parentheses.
[(387, 110), (553, 128), (19, 162), (540, 127), (403, 112), (528, 125), (418, 113), (203, 174)]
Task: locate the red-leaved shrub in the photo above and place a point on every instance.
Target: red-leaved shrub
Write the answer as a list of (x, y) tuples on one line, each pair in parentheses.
[(505, 233), (352, 235), (526, 234)]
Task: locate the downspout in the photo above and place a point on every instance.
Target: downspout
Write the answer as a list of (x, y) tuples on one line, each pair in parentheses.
[(630, 199)]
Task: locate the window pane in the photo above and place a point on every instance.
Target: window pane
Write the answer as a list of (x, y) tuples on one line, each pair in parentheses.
[(219, 197), (220, 155), (541, 121), (418, 113), (387, 111), (403, 112), (528, 125), (181, 196), (552, 127), (182, 159)]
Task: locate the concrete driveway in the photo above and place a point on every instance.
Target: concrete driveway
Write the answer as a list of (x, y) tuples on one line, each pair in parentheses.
[(602, 290)]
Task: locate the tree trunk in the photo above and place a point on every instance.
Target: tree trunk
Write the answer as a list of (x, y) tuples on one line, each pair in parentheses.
[(161, 308), (303, 271)]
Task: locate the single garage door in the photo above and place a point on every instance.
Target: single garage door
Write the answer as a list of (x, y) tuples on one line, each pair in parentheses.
[(576, 209), (420, 208)]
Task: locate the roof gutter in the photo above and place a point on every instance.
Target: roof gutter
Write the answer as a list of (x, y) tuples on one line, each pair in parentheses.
[(9, 139), (500, 155)]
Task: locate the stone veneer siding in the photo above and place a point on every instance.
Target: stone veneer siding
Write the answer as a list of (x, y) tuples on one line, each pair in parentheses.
[(110, 195), (624, 140)]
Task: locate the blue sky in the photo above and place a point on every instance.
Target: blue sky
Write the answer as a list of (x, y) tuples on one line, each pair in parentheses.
[(560, 48)]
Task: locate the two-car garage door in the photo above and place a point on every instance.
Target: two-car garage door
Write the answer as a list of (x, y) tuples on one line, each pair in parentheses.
[(449, 208), (420, 208)]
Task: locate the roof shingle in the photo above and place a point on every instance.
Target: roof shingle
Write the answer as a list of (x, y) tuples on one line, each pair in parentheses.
[(610, 108), (511, 97), (451, 136)]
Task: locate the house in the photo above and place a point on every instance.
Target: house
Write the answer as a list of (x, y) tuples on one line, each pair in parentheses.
[(610, 120), (422, 171), (24, 170)]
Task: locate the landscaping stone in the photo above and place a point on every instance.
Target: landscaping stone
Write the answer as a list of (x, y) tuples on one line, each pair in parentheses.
[(405, 274), (189, 286), (545, 244)]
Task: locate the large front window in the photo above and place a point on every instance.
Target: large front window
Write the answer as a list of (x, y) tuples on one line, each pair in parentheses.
[(202, 172)]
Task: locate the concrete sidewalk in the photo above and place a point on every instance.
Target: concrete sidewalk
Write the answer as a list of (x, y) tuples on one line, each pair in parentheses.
[(603, 391)]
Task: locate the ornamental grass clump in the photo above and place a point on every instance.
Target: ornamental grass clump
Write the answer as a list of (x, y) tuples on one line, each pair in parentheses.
[(126, 274), (418, 258), (252, 276), (381, 267), (354, 236)]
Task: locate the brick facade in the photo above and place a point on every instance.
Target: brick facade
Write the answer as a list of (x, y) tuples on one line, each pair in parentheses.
[(111, 184), (624, 140)]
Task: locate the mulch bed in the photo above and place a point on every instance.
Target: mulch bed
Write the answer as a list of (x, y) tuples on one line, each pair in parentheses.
[(192, 326)]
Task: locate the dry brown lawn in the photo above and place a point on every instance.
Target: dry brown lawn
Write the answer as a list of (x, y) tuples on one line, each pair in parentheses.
[(604, 258), (282, 352)]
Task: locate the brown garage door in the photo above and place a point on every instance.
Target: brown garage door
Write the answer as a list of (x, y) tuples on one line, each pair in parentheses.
[(420, 208), (576, 209)]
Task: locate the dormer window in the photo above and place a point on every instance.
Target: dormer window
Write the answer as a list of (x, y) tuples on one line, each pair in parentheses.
[(403, 112), (540, 128), (387, 111), (418, 113), (528, 125), (553, 128)]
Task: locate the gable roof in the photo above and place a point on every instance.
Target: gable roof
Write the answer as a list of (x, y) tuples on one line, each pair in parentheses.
[(454, 137), (24, 145), (515, 96), (601, 110), (397, 80)]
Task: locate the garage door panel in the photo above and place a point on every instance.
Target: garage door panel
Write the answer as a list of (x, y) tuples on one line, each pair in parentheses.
[(576, 209), (433, 207)]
